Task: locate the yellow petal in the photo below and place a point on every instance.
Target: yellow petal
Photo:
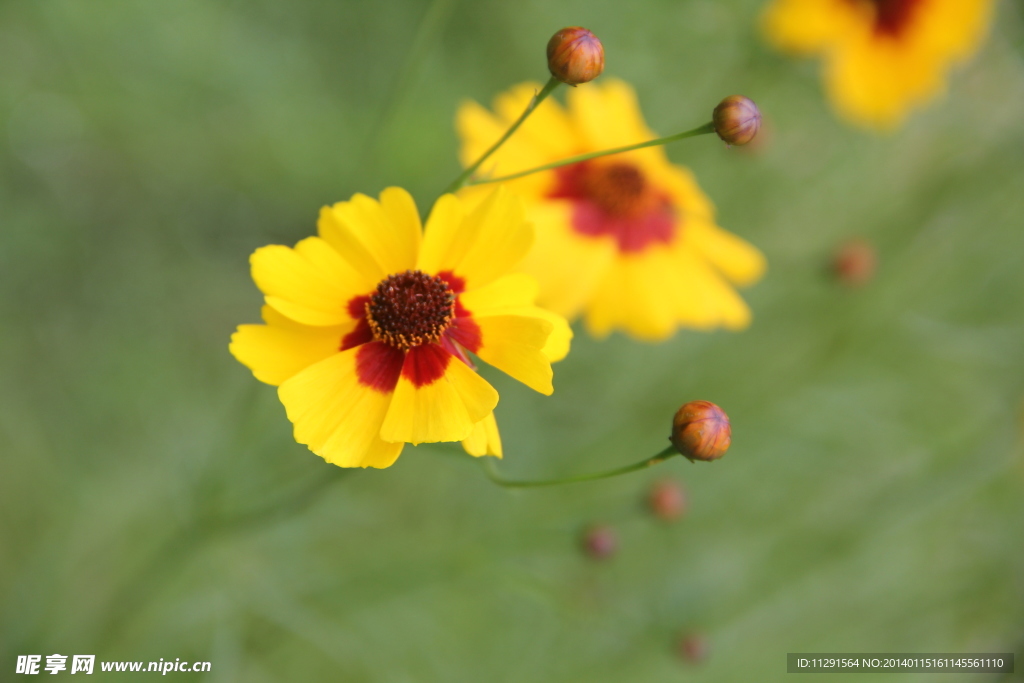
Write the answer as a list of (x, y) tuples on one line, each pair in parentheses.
[(281, 348), (510, 291), (514, 295), (311, 283), (514, 344), (688, 200), (703, 299), (444, 410), (736, 258), (485, 439), (635, 297), (808, 26), (557, 346), (481, 247), (380, 237), (650, 295), (441, 238), (608, 116), (336, 416), (568, 266)]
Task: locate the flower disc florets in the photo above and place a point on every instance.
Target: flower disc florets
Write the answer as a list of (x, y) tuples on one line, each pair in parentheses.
[(620, 189), (410, 308), (893, 16)]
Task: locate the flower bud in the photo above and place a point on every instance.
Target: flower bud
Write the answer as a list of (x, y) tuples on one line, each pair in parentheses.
[(693, 648), (575, 55), (855, 263), (701, 431), (599, 542), (737, 120), (667, 500)]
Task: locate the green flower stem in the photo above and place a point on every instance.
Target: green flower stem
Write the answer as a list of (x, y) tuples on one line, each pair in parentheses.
[(202, 530), (702, 130), (463, 178), (492, 472), (427, 32)]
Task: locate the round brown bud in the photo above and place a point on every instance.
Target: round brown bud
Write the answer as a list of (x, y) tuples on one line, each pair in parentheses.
[(693, 648), (599, 542), (737, 120), (667, 500), (575, 55), (701, 431), (855, 263)]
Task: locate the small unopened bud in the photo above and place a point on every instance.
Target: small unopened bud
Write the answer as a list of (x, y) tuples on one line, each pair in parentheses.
[(693, 648), (701, 431), (599, 542), (575, 55), (667, 500), (855, 263), (737, 120)]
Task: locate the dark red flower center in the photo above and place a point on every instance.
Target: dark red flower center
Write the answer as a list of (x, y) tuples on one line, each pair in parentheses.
[(412, 325), (409, 309), (892, 16), (617, 200)]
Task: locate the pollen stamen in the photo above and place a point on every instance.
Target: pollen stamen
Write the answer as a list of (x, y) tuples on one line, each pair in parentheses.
[(409, 309)]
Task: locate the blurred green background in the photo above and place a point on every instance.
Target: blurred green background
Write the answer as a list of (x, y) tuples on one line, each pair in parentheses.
[(153, 503)]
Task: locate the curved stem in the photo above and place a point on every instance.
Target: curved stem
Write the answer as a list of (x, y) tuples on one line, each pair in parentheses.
[(702, 130), (492, 472), (463, 178)]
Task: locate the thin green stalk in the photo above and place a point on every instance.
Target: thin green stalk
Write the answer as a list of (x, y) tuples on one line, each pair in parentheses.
[(702, 130), (463, 178), (184, 544), (430, 27), (493, 475)]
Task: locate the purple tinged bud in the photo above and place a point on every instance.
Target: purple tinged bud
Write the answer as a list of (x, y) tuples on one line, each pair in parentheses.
[(737, 120)]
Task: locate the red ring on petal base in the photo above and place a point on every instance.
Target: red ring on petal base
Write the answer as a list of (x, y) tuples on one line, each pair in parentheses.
[(362, 334), (425, 364), (379, 365), (616, 200)]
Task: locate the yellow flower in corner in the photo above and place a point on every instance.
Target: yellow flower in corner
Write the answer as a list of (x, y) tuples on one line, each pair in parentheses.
[(629, 241), (882, 57), (369, 326)]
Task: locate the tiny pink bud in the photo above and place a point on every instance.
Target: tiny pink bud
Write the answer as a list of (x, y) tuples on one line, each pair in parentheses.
[(600, 542), (701, 431), (575, 55), (737, 120), (693, 648), (667, 500), (855, 263)]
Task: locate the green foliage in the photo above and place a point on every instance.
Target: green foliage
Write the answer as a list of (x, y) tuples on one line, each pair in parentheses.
[(872, 497)]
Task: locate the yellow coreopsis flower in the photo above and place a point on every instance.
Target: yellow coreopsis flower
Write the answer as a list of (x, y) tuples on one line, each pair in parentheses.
[(628, 240), (882, 58), (369, 326)]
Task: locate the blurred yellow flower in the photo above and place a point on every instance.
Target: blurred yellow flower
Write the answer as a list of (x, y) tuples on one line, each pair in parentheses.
[(882, 57), (627, 240), (368, 326)]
